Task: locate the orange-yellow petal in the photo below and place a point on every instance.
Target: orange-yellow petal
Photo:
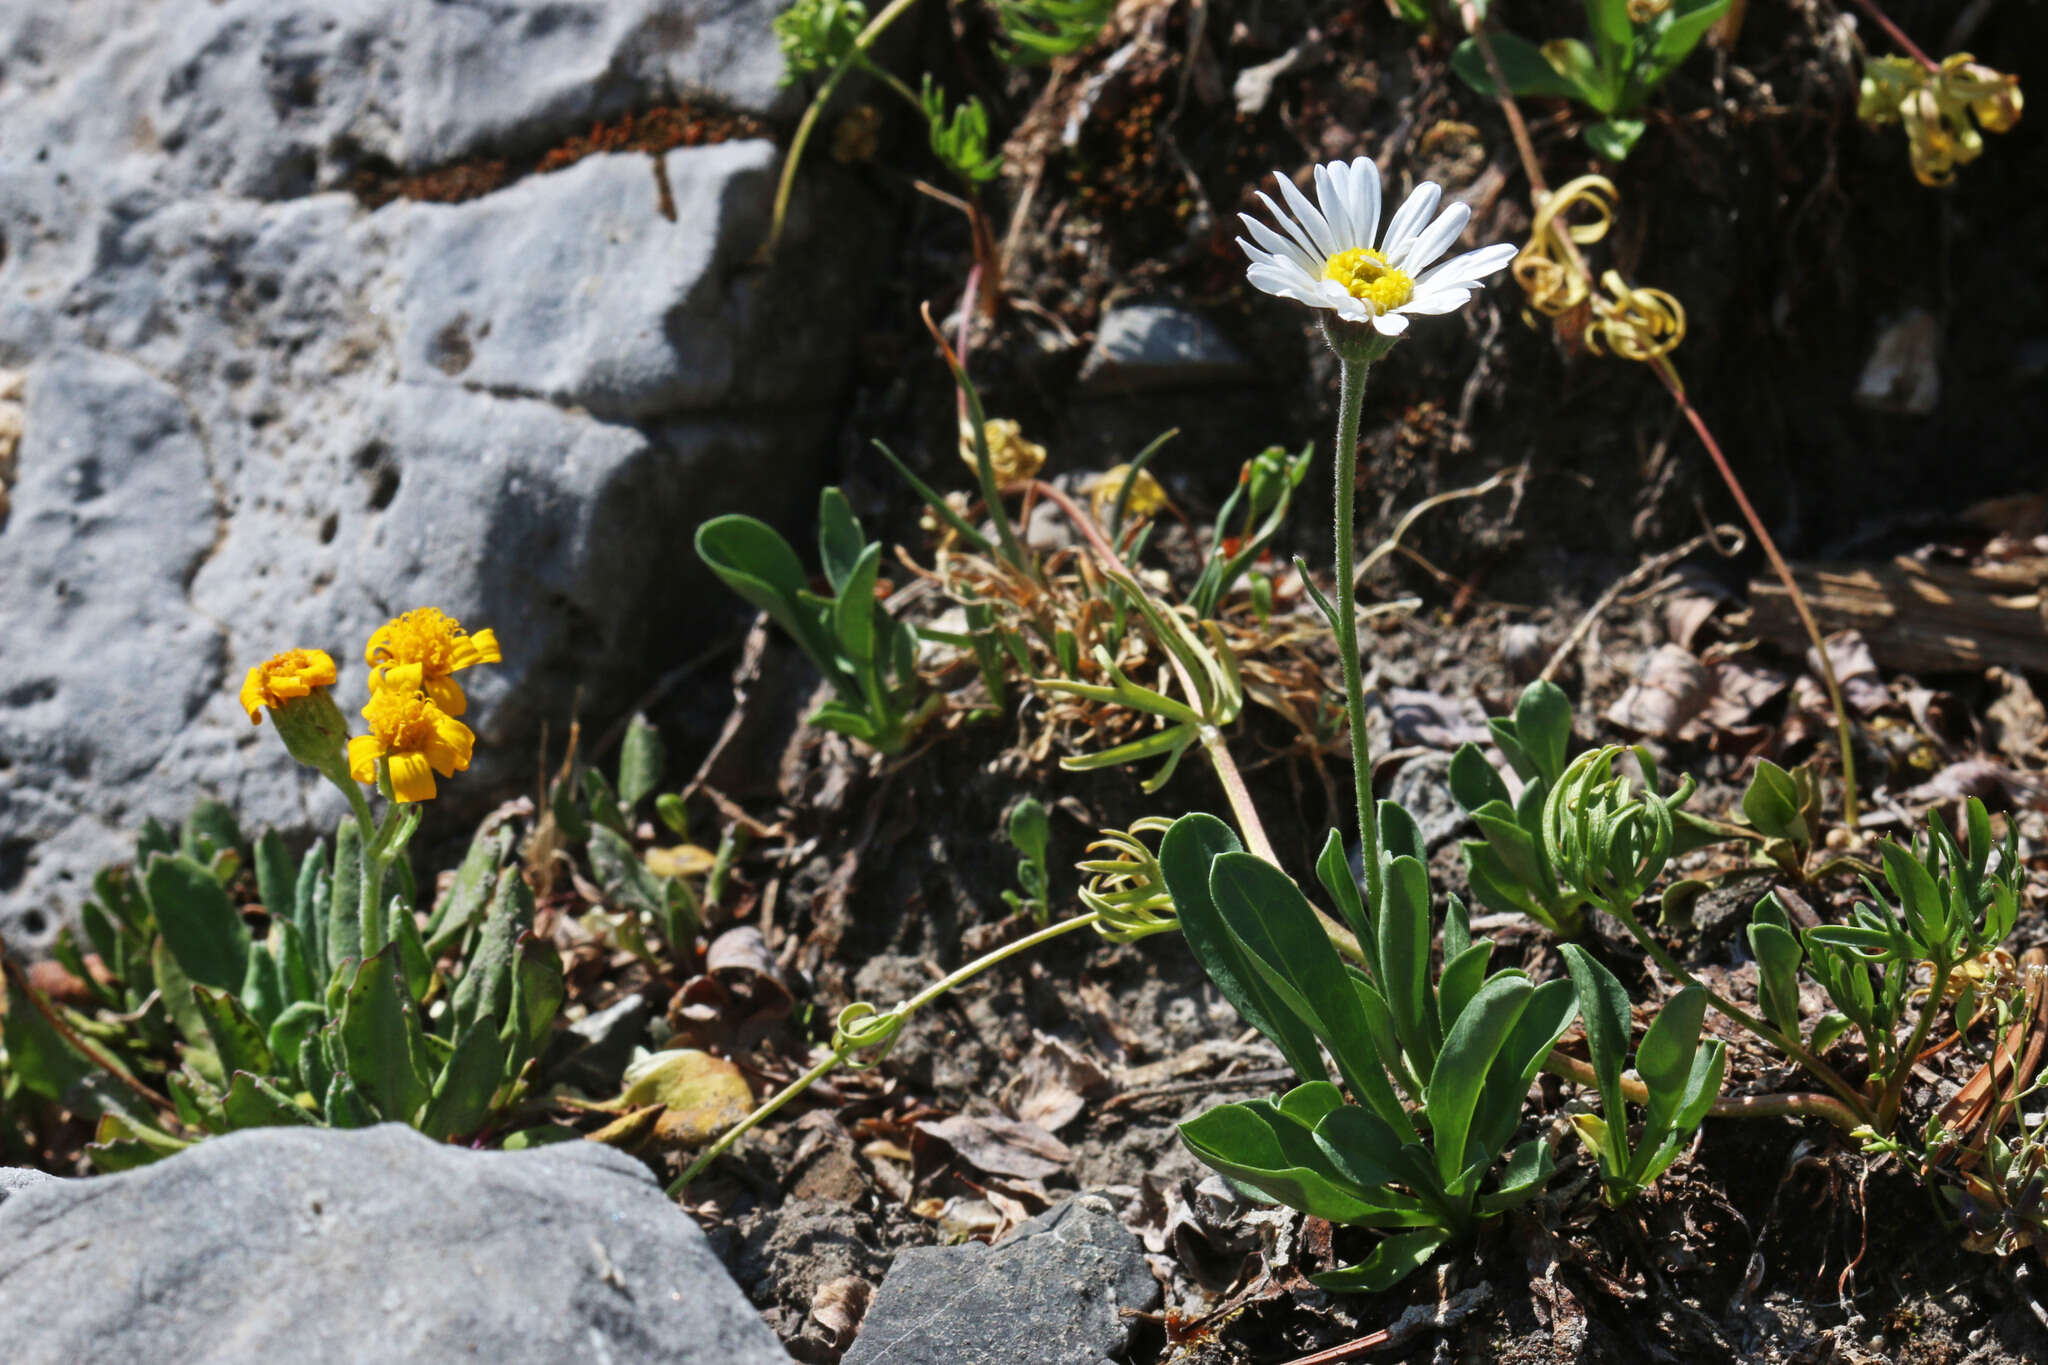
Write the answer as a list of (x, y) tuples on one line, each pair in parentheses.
[(411, 778), (450, 748), (252, 696), (445, 693), (480, 648), (363, 753)]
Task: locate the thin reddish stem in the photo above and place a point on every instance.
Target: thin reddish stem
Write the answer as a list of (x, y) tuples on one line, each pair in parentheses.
[(1897, 34)]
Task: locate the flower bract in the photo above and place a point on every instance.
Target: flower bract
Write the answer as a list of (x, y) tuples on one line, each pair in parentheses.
[(1332, 255), (436, 643), (417, 736)]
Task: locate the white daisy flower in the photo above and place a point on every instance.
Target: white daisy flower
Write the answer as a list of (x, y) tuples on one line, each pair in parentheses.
[(1328, 259)]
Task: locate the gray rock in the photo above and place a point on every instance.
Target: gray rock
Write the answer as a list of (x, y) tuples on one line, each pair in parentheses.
[(16, 1179), (332, 1246), (1055, 1293), (260, 414), (591, 1054), (1160, 346)]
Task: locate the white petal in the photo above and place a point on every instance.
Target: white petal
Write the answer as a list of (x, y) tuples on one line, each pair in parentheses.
[(1428, 301), (1390, 324), (1354, 310), (1330, 197), (1293, 230), (1472, 267), (1276, 245), (1433, 242), (1409, 218), (1284, 283), (1305, 213), (1365, 200)]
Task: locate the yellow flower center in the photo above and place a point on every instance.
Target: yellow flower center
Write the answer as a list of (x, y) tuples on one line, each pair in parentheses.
[(425, 637), (403, 722), (1365, 274)]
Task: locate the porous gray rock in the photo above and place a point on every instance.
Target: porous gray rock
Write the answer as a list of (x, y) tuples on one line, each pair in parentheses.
[(15, 1179), (1055, 1293), (323, 1245), (1160, 346), (264, 412)]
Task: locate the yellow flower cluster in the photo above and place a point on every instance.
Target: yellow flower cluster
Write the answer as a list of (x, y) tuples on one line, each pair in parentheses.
[(1013, 457), (1936, 107), (414, 702)]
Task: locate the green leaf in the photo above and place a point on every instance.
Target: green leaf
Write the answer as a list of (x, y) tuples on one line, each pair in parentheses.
[(210, 831), (199, 924), (1529, 1167), (345, 1106), (1543, 727), (1264, 910), (1030, 829), (1527, 70), (1603, 1007), (1771, 802), (640, 761), (1920, 899), (841, 542), (538, 990), (1257, 1145), (1665, 1056), (1474, 782), (1333, 870), (1688, 22), (238, 1040), (1778, 956), (853, 616), (621, 875), (1468, 1055), (752, 560), (1191, 844), (312, 901), (187, 1018), (38, 1058), (288, 1035), (485, 991), (381, 1040), (462, 1096), (1614, 138), (1392, 1261), (276, 877), (1404, 958), (252, 1102), (345, 904)]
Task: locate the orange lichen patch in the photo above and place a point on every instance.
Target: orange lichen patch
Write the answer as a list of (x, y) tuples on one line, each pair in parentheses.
[(653, 130)]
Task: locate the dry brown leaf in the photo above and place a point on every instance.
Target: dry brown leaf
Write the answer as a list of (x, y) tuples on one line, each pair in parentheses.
[(1055, 1084), (1672, 688), (837, 1311), (1001, 1146)]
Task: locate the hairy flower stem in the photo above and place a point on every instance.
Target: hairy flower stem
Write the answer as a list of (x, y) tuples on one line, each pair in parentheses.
[(1790, 1046), (1356, 362), (838, 1056)]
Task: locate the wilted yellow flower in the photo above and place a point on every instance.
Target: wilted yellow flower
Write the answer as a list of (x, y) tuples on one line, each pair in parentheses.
[(1643, 11), (1936, 108), (283, 677), (437, 644), (1146, 499), (417, 736), (1014, 457)]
